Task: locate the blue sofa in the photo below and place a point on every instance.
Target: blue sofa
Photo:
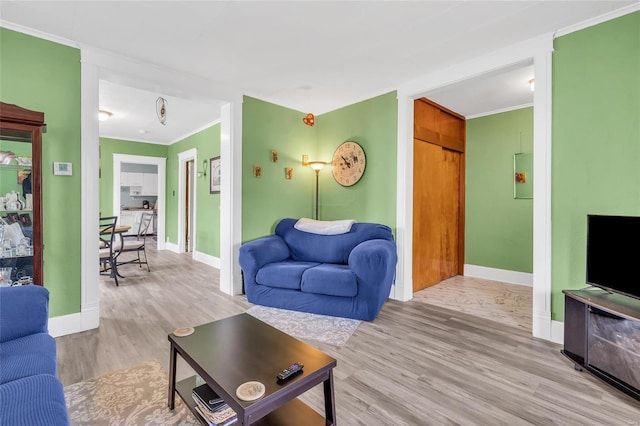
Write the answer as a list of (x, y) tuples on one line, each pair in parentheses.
[(347, 275), (30, 393)]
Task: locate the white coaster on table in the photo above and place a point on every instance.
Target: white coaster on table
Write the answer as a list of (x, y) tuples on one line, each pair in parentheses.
[(183, 332), (250, 391)]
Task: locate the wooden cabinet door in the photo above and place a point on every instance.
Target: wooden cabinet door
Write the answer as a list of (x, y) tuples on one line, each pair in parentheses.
[(438, 194), (436, 221)]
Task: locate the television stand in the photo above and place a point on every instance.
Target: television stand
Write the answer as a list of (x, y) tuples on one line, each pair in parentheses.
[(602, 335)]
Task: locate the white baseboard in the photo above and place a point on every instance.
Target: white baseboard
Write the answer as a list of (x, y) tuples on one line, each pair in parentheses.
[(171, 247), (74, 323), (503, 275), (207, 259), (557, 332)]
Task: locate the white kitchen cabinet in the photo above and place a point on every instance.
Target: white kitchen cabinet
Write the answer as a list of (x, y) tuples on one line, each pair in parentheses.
[(135, 179), (124, 179), (127, 219), (149, 184)]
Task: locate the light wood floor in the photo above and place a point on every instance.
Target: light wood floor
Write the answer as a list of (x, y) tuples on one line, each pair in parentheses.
[(416, 364)]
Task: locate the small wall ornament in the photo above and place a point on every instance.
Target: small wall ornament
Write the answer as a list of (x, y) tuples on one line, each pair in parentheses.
[(274, 156), (257, 171), (288, 173), (309, 120)]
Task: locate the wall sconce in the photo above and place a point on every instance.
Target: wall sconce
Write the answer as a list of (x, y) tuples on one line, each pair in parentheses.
[(317, 166), (532, 84), (203, 173), (305, 160), (104, 115)]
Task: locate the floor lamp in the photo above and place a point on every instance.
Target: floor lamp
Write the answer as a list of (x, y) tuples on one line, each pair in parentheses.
[(317, 166)]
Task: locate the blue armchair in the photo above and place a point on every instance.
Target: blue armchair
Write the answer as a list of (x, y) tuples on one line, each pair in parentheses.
[(346, 275), (30, 393)]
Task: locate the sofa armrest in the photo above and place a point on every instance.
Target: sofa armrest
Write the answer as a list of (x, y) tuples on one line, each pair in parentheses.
[(24, 310), (374, 263), (257, 253)]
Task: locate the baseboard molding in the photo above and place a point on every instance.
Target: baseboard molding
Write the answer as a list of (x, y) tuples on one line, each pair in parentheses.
[(74, 323), (207, 259), (171, 247), (503, 275), (557, 332)]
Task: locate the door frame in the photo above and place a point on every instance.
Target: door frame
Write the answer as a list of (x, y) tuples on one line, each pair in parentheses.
[(161, 163), (183, 158), (537, 50)]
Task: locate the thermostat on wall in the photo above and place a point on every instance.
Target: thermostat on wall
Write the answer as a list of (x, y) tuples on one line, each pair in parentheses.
[(62, 169)]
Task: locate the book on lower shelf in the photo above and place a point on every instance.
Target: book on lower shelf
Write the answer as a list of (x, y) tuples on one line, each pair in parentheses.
[(219, 418), (212, 408), (208, 398)]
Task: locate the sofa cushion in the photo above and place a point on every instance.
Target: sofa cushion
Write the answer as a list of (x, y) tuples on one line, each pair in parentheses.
[(330, 279), (308, 247), (287, 274), (27, 356), (34, 400)]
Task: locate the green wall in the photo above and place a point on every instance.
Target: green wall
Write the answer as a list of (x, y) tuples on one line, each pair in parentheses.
[(266, 200), (207, 142), (596, 140), (374, 125), (499, 228), (108, 147), (45, 76)]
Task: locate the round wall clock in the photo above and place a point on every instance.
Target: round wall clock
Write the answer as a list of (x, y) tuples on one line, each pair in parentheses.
[(348, 163)]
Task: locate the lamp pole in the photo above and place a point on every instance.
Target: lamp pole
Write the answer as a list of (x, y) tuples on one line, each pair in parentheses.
[(317, 176), (317, 166)]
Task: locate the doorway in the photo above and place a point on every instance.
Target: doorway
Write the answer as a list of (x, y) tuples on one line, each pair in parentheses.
[(160, 201), (187, 211), (438, 193)]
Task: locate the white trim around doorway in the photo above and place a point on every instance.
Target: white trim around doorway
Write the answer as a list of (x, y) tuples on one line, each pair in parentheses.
[(539, 51), (161, 163)]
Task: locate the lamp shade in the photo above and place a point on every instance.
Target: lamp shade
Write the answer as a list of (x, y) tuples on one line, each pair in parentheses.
[(317, 165)]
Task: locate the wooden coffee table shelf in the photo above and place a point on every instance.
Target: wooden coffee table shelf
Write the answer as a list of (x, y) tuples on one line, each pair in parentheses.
[(234, 350), (293, 413)]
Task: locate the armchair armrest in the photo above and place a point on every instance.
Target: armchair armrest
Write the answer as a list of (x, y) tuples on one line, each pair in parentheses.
[(257, 253), (24, 310), (374, 263)]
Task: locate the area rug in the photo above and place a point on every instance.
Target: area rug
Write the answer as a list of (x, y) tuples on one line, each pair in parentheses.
[(132, 396), (308, 327)]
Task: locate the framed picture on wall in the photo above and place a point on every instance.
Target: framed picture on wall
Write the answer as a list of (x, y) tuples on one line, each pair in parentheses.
[(214, 184)]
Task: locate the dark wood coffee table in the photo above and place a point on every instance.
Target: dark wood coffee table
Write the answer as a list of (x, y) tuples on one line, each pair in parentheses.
[(241, 348)]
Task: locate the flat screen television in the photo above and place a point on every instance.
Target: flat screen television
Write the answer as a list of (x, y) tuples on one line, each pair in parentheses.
[(613, 253)]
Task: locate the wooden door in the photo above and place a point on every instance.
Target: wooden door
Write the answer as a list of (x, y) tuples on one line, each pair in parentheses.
[(438, 194)]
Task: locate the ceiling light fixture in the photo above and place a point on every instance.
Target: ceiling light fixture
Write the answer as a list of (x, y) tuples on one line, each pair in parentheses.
[(161, 110), (104, 115), (532, 83)]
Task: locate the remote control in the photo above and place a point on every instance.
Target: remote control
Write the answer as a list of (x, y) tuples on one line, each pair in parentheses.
[(292, 370)]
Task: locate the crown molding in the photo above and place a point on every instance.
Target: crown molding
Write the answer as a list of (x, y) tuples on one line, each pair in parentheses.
[(499, 111), (597, 20), (39, 34)]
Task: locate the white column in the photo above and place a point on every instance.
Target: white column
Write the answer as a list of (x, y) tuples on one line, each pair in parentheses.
[(231, 196)]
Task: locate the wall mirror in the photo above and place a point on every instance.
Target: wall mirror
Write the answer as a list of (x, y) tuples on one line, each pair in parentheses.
[(523, 176)]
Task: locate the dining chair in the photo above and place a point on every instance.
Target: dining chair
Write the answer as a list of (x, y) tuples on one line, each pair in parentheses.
[(109, 246), (136, 243)]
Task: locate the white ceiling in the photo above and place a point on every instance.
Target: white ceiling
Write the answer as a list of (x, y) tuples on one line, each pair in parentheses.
[(312, 56), (134, 115)]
